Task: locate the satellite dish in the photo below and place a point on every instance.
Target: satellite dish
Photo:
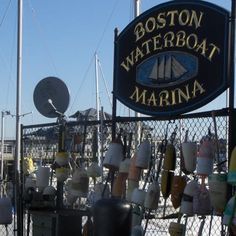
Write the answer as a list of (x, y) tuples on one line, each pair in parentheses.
[(51, 97)]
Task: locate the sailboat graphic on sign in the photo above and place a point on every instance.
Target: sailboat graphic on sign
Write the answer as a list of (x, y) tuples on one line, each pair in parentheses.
[(167, 69)]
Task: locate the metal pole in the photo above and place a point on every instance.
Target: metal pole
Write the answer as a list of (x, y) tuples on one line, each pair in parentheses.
[(18, 112), (137, 8), (2, 145), (137, 137), (97, 103)]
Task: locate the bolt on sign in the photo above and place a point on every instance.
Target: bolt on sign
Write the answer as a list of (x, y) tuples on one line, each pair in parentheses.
[(173, 58)]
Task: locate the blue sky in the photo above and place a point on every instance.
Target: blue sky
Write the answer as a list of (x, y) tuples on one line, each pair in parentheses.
[(60, 38)]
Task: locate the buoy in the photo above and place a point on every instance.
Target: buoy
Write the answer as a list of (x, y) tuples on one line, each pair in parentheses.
[(138, 196), (189, 152), (187, 200), (205, 158), (62, 158), (62, 173), (112, 217), (177, 189), (94, 170), (143, 155), (232, 168), (166, 182), (119, 186), (49, 194), (113, 156), (176, 229), (152, 196), (30, 181), (137, 230), (42, 177), (137, 215), (5, 210), (124, 166), (134, 171), (80, 183), (170, 158), (218, 191), (201, 201), (229, 212), (132, 184)]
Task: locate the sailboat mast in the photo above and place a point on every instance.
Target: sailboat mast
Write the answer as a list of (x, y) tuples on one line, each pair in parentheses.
[(97, 103)]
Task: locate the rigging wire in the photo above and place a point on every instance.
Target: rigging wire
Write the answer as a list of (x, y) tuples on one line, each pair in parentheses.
[(5, 13), (40, 30), (96, 49), (105, 84)]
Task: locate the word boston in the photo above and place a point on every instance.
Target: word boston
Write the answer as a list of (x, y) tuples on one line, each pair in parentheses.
[(173, 58)]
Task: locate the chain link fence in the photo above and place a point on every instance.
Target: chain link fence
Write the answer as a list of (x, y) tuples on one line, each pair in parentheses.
[(40, 142)]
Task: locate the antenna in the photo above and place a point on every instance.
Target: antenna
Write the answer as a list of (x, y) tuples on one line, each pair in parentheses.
[(51, 97)]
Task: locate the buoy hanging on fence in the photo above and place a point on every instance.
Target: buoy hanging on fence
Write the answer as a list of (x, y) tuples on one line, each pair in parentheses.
[(189, 152), (80, 183), (218, 191), (205, 157), (94, 170), (166, 182), (132, 184), (62, 173), (137, 230), (152, 196), (112, 217), (42, 177), (229, 212), (30, 181), (5, 210), (119, 186), (176, 229), (177, 189), (201, 201), (124, 166), (187, 200), (138, 196), (134, 171), (113, 156), (232, 168), (143, 155), (62, 158), (170, 157), (137, 215)]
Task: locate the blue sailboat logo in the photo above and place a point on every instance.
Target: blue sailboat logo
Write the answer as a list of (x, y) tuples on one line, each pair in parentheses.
[(166, 69)]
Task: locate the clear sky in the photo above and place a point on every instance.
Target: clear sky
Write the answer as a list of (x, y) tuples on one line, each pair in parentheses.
[(60, 38)]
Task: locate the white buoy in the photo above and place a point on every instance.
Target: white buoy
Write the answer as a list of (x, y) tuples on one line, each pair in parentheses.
[(152, 196), (80, 183), (218, 191), (187, 200), (143, 155), (205, 158), (189, 151), (42, 177), (113, 156)]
